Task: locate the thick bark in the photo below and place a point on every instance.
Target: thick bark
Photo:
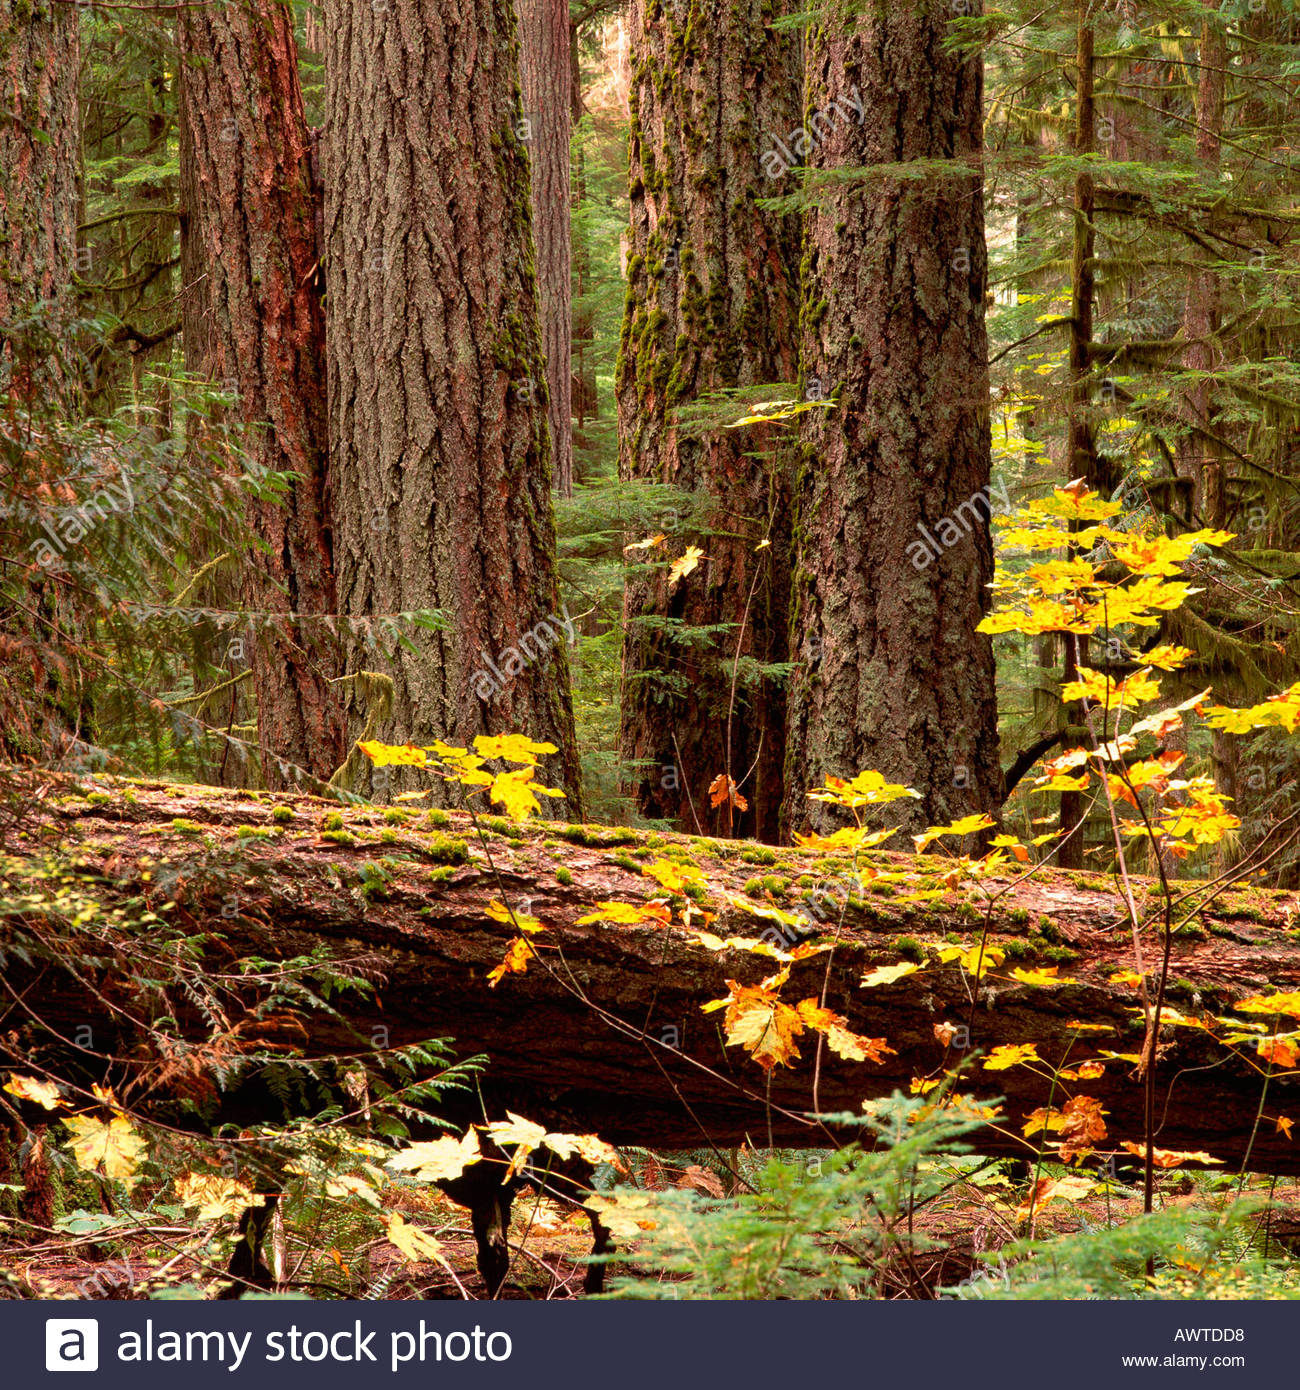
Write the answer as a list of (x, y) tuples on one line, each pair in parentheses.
[(893, 551), (39, 159), (255, 323), (711, 305), (440, 452), (1080, 448), (605, 1028), (545, 73)]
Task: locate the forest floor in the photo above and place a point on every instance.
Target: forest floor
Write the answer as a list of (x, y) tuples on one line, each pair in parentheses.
[(550, 1246)]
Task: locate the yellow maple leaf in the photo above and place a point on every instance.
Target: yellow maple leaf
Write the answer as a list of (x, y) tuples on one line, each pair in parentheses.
[(1011, 1055), (42, 1093), (853, 1047), (967, 825), (888, 974), (1048, 1190), (216, 1197), (868, 788), (1280, 711), (394, 755), (979, 962), (669, 874), (522, 1135), (1271, 1004), (685, 563), (499, 912), (758, 1021), (1284, 1123), (589, 1146), (515, 791), (628, 914), (650, 543), (1045, 975), (112, 1148), (850, 838), (416, 1245), (1167, 657), (438, 1160), (624, 1212), (512, 748), (1171, 1158)]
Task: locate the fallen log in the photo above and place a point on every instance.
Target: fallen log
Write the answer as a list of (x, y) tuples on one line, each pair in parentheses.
[(605, 1026)]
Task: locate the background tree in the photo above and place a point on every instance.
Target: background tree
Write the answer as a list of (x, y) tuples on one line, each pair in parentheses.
[(255, 324), (545, 73), (711, 307), (439, 447), (894, 675), (39, 157)]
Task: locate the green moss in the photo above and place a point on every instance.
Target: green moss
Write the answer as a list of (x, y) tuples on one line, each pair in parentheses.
[(498, 825), (447, 849), (394, 815), (1061, 955), (436, 818), (753, 887), (1048, 929), (253, 832), (339, 837), (564, 877), (376, 881), (1017, 950), (910, 949), (1018, 916), (388, 836), (186, 827), (625, 861), (282, 815), (331, 820), (758, 854), (99, 798), (441, 874)]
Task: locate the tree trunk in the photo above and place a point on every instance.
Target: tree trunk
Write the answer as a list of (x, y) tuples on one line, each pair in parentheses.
[(256, 325), (39, 158), (892, 541), (440, 452), (545, 75), (606, 1027), (1080, 448), (711, 304), (585, 403)]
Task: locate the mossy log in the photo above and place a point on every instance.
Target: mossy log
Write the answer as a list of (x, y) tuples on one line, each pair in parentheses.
[(605, 1027)]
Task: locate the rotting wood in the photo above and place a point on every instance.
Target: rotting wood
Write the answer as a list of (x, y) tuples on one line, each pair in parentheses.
[(606, 1027)]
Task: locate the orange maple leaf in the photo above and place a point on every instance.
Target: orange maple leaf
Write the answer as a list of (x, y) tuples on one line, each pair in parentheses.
[(723, 789)]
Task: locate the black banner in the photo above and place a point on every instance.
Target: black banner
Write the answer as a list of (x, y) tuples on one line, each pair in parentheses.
[(631, 1345)]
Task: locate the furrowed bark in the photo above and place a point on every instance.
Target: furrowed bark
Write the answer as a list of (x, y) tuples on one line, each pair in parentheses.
[(545, 72), (439, 444), (892, 545), (606, 1029), (256, 325), (712, 302)]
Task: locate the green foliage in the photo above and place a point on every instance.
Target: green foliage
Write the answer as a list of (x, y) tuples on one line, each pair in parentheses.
[(828, 1226)]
